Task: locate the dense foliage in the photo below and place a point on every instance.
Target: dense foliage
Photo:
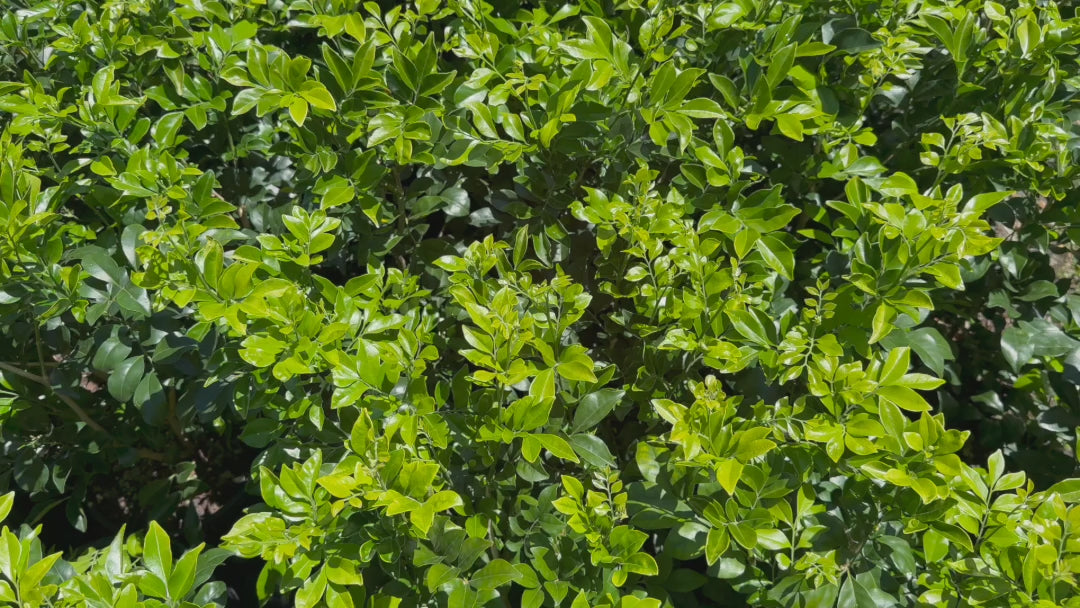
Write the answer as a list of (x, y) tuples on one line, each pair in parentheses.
[(627, 304)]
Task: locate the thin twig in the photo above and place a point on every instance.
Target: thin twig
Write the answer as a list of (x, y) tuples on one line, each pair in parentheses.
[(68, 401), (151, 455), (40, 351), (80, 412), (25, 374), (16, 363)]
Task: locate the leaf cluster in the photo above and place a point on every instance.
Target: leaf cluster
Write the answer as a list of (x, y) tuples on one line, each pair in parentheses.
[(630, 304)]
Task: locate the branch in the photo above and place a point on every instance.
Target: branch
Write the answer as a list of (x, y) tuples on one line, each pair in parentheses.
[(80, 412), (47, 363), (68, 401), (25, 374), (151, 455)]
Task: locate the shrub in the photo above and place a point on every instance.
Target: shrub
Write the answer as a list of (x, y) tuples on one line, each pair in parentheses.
[(630, 304)]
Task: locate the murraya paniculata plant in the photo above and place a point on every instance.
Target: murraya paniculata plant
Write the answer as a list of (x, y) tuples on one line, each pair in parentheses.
[(599, 304)]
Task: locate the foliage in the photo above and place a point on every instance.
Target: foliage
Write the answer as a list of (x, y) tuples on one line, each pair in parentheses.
[(600, 304), (109, 577)]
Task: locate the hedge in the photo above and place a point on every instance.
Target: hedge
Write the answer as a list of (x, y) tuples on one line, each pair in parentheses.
[(633, 304)]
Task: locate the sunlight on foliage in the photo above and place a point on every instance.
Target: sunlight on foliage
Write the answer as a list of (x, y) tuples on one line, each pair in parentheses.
[(600, 304)]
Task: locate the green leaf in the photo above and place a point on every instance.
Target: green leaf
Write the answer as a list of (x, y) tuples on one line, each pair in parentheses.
[(728, 568), (592, 450), (495, 574), (528, 414), (903, 398), (882, 323), (338, 195), (575, 365), (854, 41), (716, 543), (642, 563), (157, 552), (310, 594), (777, 255), (955, 534), (898, 185), (148, 397), (749, 326), (444, 501), (125, 378), (574, 487), (594, 407), (210, 262), (920, 382), (1017, 347), (981, 202), (557, 446), (1069, 490), (440, 575), (461, 597), (542, 388), (31, 577), (422, 517), (780, 64), (260, 432), (854, 595), (896, 365), (208, 561), (100, 265), (298, 111), (261, 350), (900, 553), (245, 100), (814, 49), (103, 167), (702, 107), (728, 473), (927, 342), (354, 25), (165, 129), (6, 502), (183, 574), (532, 598), (110, 354), (317, 95)]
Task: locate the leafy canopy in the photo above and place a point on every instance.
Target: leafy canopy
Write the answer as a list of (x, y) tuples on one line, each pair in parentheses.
[(601, 304)]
